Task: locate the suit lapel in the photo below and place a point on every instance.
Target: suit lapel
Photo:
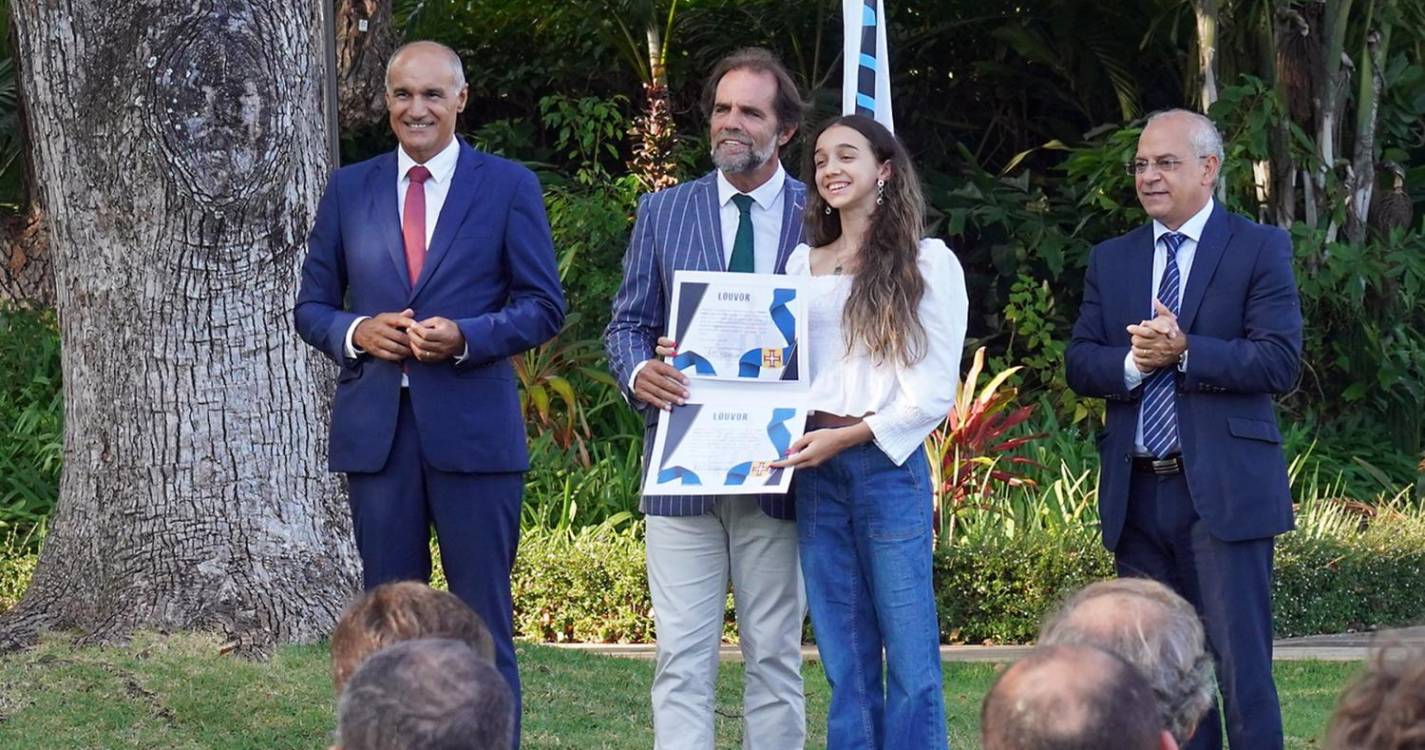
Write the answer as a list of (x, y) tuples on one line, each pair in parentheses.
[(710, 224), (1215, 236), (793, 203), (381, 197), (464, 186), (1138, 270)]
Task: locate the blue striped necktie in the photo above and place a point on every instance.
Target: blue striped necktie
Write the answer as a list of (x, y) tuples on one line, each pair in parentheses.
[(1160, 412)]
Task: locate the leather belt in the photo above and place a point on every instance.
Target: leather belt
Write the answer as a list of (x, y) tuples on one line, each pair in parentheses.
[(1165, 466), (822, 421)]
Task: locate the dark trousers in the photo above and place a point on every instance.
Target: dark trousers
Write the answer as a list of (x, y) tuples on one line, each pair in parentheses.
[(1229, 583), (477, 524)]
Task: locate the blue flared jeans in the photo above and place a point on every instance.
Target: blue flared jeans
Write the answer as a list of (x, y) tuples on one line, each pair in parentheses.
[(864, 531)]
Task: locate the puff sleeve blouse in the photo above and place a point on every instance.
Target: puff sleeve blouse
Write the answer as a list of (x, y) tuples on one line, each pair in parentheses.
[(901, 404)]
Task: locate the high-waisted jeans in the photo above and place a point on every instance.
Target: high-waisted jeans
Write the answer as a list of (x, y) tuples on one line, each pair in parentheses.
[(864, 530)]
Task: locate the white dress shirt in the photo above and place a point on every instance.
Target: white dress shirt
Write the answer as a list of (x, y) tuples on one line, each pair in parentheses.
[(766, 219), (901, 404), (437, 186), (1192, 231), (766, 211)]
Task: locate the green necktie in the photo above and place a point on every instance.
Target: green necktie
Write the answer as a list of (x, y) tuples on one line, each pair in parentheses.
[(742, 261)]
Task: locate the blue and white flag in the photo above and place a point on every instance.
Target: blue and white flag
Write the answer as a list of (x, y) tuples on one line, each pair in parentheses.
[(866, 82)]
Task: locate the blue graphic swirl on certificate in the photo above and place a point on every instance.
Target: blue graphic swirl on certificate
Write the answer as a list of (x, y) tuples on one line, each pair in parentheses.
[(738, 326)]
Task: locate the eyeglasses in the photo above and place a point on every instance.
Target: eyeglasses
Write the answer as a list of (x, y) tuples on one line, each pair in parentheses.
[(1139, 166)]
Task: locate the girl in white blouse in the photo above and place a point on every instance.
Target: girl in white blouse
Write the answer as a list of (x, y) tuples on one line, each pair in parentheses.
[(887, 314)]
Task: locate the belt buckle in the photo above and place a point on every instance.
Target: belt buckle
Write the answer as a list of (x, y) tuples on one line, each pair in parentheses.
[(1167, 466)]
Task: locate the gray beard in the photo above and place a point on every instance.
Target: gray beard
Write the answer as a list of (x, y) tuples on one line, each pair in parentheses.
[(747, 161)]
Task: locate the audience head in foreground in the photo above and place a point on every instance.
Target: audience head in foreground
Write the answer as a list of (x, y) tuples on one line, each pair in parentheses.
[(403, 611), (426, 695), (1072, 698), (1144, 623), (1384, 709)]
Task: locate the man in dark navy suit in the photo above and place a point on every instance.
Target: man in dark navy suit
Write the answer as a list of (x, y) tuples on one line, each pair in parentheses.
[(427, 269), (1188, 327), (744, 216)]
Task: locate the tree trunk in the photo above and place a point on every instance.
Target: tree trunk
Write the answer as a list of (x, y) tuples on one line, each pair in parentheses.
[(1206, 11), (1330, 83), (26, 273), (654, 132), (1374, 54), (180, 150), (365, 38)]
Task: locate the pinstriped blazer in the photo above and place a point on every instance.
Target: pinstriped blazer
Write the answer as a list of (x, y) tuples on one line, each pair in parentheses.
[(679, 229)]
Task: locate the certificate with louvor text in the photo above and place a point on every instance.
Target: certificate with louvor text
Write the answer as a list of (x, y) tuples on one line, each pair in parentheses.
[(739, 326), (740, 344), (723, 448)]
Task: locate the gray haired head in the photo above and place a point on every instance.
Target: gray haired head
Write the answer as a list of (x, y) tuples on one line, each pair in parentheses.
[(1202, 136), (1153, 629), (426, 695)]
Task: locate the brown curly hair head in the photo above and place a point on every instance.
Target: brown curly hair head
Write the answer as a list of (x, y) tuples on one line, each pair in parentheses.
[(403, 611), (1384, 708)]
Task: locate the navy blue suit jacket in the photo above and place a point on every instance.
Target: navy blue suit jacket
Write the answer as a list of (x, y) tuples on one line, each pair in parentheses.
[(490, 268), (1243, 322), (679, 229)]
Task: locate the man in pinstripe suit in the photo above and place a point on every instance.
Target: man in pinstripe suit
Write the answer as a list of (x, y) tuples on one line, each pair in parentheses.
[(744, 216)]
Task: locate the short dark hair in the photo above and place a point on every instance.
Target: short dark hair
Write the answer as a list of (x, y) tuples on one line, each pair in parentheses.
[(1384, 708), (1070, 698), (789, 105), (403, 611), (426, 695)]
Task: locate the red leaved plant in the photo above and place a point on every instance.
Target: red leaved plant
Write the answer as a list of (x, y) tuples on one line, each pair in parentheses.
[(970, 451)]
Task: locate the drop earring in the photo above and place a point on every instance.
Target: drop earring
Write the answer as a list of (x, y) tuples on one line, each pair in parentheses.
[(880, 192), (828, 210)]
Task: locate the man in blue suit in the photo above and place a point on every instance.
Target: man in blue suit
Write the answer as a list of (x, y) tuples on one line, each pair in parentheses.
[(1188, 327), (745, 216), (426, 270)]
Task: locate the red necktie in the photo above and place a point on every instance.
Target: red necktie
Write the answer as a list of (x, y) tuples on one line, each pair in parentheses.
[(413, 224)]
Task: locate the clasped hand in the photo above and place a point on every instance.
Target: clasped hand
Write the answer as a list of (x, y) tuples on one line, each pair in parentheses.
[(396, 336), (1158, 342)]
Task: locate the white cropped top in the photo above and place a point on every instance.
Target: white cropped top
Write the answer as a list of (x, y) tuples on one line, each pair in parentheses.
[(902, 405)]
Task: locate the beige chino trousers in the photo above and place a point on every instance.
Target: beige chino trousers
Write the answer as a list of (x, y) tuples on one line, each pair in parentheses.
[(690, 559)]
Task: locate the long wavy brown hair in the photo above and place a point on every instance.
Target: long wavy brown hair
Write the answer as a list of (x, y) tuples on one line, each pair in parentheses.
[(881, 310)]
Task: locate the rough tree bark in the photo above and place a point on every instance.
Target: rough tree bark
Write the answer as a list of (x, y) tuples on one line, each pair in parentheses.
[(26, 273), (183, 149), (365, 38)]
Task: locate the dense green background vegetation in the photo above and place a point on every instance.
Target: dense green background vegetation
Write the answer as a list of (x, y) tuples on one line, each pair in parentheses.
[(1019, 116)]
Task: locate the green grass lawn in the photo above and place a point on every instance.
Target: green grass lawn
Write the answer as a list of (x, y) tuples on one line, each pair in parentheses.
[(178, 692)]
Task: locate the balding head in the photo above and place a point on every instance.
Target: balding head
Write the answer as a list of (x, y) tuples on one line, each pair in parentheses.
[(1152, 628), (425, 92), (1071, 698), (433, 51)]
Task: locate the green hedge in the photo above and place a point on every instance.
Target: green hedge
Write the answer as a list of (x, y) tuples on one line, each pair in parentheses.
[(1365, 581), (585, 585), (590, 585), (996, 591)]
